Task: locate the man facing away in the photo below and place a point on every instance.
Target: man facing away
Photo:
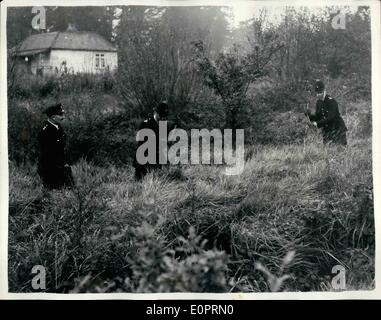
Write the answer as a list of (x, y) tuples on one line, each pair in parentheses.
[(160, 113), (52, 165), (327, 117)]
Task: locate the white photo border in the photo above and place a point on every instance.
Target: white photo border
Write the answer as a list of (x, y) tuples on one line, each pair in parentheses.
[(375, 8)]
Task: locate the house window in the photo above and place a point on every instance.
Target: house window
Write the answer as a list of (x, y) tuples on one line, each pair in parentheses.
[(40, 64), (100, 60), (97, 60)]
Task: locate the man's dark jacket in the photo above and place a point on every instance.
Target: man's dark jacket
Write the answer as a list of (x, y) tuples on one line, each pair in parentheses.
[(329, 120), (52, 156), (142, 169)]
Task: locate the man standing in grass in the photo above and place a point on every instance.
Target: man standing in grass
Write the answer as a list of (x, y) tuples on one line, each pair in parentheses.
[(52, 165), (160, 113), (327, 117)]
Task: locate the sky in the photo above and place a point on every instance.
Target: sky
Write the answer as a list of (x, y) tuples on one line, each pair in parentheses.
[(244, 12)]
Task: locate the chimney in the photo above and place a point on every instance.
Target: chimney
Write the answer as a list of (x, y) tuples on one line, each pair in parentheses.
[(71, 27)]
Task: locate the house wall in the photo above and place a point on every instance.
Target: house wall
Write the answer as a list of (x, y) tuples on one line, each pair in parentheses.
[(33, 64), (81, 61), (39, 61)]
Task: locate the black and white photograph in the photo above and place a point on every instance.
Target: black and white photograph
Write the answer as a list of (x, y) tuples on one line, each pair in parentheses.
[(189, 148)]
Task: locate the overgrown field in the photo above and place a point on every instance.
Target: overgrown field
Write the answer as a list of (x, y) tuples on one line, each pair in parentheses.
[(297, 209)]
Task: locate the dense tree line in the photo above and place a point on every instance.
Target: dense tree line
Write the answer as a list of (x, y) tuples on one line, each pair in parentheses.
[(90, 18), (159, 51)]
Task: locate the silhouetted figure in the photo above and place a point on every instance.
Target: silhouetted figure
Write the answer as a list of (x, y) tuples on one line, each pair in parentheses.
[(327, 117), (52, 164), (160, 113)]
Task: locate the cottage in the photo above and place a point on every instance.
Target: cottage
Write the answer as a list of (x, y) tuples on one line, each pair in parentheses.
[(71, 51)]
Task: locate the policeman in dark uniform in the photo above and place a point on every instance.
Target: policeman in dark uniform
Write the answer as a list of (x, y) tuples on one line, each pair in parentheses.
[(160, 113), (52, 163), (327, 117)]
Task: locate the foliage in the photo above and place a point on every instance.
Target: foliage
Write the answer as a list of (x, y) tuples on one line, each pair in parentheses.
[(202, 233), (298, 208), (85, 18), (83, 111), (231, 74), (156, 55)]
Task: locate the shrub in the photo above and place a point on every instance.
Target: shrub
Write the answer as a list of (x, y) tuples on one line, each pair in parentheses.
[(23, 126), (288, 128), (27, 85), (114, 142), (84, 113)]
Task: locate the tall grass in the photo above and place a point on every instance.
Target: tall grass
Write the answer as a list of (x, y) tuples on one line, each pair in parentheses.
[(196, 229), (298, 209)]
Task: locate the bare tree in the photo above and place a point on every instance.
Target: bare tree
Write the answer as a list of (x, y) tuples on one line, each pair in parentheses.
[(156, 56)]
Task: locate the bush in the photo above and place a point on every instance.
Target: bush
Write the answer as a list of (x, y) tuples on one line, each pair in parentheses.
[(23, 127), (84, 113), (27, 85), (288, 128), (281, 97), (113, 143)]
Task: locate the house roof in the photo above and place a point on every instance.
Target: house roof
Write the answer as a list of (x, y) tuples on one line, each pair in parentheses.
[(73, 40)]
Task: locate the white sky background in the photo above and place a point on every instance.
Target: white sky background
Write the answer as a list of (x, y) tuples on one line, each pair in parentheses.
[(241, 13), (244, 12)]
